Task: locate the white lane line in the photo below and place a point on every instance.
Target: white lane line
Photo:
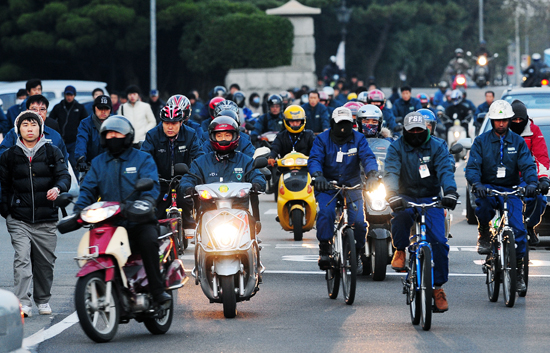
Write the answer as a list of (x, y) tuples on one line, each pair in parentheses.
[(283, 272), (464, 212), (271, 211), (53, 331)]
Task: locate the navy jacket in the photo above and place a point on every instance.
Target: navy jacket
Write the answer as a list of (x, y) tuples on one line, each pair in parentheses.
[(245, 146), (285, 142), (402, 169), (482, 108), (88, 141), (5, 123), (197, 127), (15, 110), (50, 135), (485, 159), (113, 179), (267, 123), (356, 153), (401, 108), (317, 119), (389, 118), (185, 149), (69, 117)]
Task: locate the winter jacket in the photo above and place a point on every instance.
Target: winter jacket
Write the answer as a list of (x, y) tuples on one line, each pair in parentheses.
[(317, 118), (402, 169), (537, 145), (268, 122), (197, 127), (25, 183), (15, 110), (141, 116), (113, 179), (401, 108), (68, 116), (285, 142), (88, 141), (389, 118), (485, 159), (245, 146)]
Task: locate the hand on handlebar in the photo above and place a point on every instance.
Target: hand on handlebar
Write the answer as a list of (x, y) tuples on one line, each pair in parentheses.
[(531, 190), (544, 185), (321, 183), (397, 203), (449, 200), (480, 190), (272, 162)]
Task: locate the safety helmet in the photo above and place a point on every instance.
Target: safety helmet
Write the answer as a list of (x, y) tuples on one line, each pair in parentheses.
[(239, 98), (429, 117), (329, 90), (456, 96), (499, 110), (274, 99), (459, 52), (536, 57), (225, 105), (342, 114), (423, 98), (442, 84), (182, 102), (212, 105), (224, 123), (363, 97), (230, 114), (171, 113), (323, 97), (369, 111), (285, 96), (376, 96), (354, 107), (352, 96), (294, 113), (219, 91), (119, 124)]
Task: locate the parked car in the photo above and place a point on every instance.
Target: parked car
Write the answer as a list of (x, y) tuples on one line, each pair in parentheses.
[(52, 90), (536, 99), (11, 323)]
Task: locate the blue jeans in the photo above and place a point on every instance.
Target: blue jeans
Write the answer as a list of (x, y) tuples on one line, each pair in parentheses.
[(327, 215), (401, 224), (485, 211)]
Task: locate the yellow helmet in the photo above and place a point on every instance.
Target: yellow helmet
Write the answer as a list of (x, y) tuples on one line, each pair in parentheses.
[(352, 96), (294, 112)]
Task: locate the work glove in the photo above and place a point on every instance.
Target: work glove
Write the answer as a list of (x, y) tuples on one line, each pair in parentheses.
[(397, 203), (271, 162), (531, 190), (373, 180), (81, 165), (256, 188), (321, 183), (480, 190), (449, 200), (544, 185), (190, 191)]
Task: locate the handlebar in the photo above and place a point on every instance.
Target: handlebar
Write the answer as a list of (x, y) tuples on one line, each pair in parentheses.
[(519, 191), (435, 204)]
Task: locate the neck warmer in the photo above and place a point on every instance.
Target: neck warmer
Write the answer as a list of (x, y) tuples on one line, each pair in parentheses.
[(370, 130), (115, 146), (416, 140), (97, 121), (342, 132), (518, 127)]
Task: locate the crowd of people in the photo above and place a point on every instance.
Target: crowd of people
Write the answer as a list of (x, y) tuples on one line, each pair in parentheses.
[(115, 141)]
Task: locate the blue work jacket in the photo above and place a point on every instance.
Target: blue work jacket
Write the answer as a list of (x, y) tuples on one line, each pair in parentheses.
[(317, 118), (88, 141), (402, 108)]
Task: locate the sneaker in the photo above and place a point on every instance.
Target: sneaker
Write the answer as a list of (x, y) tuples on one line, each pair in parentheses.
[(483, 240), (440, 300), (27, 310), (324, 255), (398, 260), (533, 237), (44, 309)]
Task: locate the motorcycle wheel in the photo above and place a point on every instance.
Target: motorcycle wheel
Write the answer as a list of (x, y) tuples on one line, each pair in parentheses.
[(100, 323), (379, 259), (161, 324), (297, 224), (228, 296)]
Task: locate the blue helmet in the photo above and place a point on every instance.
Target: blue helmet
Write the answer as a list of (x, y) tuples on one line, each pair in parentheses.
[(429, 117)]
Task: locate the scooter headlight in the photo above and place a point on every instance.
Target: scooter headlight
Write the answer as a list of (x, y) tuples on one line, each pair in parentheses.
[(288, 161), (98, 212), (226, 234), (301, 161), (457, 134), (377, 198), (460, 80)]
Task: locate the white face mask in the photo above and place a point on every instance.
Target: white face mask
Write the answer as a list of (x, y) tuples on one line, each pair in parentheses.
[(19, 101)]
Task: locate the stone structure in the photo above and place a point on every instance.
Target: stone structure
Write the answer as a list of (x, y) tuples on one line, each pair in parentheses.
[(302, 68)]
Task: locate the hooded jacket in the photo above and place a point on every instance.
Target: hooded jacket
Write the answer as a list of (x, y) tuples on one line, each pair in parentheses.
[(537, 145)]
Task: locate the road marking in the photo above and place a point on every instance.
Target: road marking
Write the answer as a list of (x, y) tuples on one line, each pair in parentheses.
[(464, 212), (301, 258), (283, 272), (463, 248), (53, 331), (297, 246), (532, 263), (271, 211)]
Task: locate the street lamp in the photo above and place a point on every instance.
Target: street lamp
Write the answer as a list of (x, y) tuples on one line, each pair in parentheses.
[(343, 14)]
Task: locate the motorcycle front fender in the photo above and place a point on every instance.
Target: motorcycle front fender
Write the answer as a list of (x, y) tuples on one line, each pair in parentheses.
[(379, 233), (227, 266), (100, 264)]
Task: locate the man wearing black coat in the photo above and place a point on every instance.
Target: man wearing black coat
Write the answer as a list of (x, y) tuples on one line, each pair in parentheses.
[(32, 174)]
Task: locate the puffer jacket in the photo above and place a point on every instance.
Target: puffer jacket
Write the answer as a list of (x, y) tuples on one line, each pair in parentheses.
[(537, 145)]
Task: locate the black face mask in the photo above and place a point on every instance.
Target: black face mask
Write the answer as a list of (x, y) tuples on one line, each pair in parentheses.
[(342, 132), (518, 127), (415, 140), (115, 146)]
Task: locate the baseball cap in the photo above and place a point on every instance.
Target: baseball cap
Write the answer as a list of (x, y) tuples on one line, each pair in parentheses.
[(342, 114), (413, 120), (103, 101), (70, 90), (154, 93)]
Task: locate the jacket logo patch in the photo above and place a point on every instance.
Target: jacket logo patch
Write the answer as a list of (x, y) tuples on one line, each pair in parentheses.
[(161, 150), (181, 148), (130, 170), (213, 174), (352, 150)]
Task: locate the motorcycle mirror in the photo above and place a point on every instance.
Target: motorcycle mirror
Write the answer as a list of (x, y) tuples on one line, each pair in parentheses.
[(181, 169), (266, 172), (249, 126), (398, 128), (495, 55), (466, 143), (144, 184), (63, 200), (469, 53), (481, 117), (260, 162), (456, 148)]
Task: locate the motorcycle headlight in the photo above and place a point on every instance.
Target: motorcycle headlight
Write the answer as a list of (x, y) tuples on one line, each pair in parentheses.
[(460, 80), (225, 234), (457, 134), (301, 161), (482, 60), (377, 198), (288, 161), (97, 212)]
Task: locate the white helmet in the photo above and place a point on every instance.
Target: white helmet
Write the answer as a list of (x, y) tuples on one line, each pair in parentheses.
[(329, 90), (536, 57), (344, 114), (456, 96), (499, 110)]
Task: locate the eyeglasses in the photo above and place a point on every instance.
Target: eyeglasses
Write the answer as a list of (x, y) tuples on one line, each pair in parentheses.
[(38, 109)]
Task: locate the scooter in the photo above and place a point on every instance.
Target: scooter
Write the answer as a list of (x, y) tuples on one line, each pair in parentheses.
[(227, 255), (112, 286), (455, 131), (481, 74), (378, 249), (459, 82), (296, 206)]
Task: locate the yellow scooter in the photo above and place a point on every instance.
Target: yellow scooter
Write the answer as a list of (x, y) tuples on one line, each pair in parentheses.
[(296, 207)]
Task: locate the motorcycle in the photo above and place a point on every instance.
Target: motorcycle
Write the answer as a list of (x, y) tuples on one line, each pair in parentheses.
[(227, 254), (378, 249), (296, 206), (481, 74), (455, 132), (112, 285), (459, 82), (534, 79)]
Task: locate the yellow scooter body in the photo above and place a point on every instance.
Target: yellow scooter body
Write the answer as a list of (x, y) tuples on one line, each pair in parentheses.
[(298, 194)]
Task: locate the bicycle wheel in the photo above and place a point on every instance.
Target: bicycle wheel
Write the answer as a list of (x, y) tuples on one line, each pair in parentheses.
[(333, 282), (509, 275), (413, 297), (493, 278), (525, 272), (348, 266), (426, 288)]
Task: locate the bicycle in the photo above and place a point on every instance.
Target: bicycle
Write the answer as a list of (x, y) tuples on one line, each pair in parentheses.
[(344, 256), (418, 284), (173, 218), (500, 264)]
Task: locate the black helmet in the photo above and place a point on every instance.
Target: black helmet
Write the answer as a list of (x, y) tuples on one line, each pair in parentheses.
[(230, 114), (239, 99), (171, 114), (274, 99), (119, 124)]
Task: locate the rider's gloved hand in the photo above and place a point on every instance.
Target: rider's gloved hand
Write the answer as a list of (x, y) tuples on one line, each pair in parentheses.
[(531, 190), (81, 165), (449, 200), (397, 203), (373, 179), (190, 191), (480, 190), (544, 185), (256, 188), (271, 162), (321, 183)]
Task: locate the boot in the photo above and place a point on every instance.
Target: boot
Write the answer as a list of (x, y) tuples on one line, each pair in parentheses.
[(533, 237), (398, 260), (520, 285), (325, 251), (440, 300), (483, 240)]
